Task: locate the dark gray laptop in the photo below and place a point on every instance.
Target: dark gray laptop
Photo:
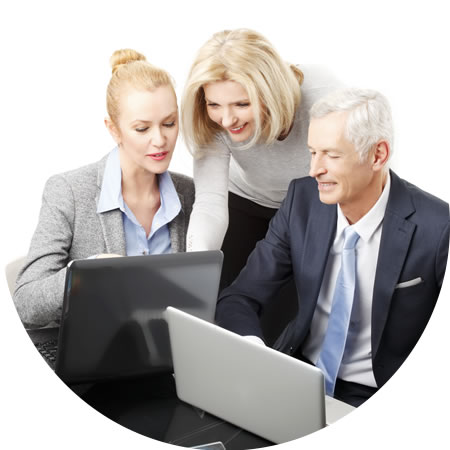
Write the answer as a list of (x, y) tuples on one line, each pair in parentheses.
[(112, 322)]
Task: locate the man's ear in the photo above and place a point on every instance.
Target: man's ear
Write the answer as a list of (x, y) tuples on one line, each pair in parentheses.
[(113, 131), (380, 155)]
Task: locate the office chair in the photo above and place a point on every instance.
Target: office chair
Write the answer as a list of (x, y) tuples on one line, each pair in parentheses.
[(11, 272)]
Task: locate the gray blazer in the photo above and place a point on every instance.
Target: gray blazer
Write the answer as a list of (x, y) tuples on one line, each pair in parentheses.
[(70, 228)]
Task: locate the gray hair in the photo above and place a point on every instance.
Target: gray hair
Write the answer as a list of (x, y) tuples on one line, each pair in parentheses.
[(369, 120)]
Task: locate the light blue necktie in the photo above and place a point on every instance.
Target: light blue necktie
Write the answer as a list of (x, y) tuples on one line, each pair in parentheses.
[(334, 342)]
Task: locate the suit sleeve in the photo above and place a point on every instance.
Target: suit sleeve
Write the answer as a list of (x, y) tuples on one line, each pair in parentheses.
[(39, 287), (268, 268)]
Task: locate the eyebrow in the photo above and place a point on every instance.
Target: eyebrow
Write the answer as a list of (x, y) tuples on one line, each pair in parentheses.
[(149, 121), (232, 103), (326, 150)]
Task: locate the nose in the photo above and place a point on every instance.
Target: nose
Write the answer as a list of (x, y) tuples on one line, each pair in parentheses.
[(228, 118), (158, 139), (316, 166)]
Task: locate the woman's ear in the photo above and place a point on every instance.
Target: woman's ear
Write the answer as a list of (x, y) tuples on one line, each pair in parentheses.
[(113, 131)]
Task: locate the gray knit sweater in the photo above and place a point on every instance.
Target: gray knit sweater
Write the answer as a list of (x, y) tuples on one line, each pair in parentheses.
[(261, 173)]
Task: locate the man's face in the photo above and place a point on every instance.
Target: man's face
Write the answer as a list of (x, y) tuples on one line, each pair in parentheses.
[(335, 164)]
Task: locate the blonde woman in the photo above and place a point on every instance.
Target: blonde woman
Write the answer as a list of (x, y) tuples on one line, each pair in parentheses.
[(245, 120), (125, 204)]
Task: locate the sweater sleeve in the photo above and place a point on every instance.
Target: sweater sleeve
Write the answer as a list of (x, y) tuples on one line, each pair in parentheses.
[(39, 288), (209, 219)]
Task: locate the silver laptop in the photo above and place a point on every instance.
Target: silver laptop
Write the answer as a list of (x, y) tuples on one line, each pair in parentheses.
[(247, 384)]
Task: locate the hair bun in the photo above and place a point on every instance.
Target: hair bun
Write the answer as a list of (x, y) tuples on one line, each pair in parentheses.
[(125, 56)]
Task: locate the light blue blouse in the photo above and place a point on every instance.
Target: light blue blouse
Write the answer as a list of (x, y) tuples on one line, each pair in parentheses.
[(137, 242)]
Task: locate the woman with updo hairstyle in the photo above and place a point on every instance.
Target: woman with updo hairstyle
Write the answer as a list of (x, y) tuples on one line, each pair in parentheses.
[(244, 115), (125, 204)]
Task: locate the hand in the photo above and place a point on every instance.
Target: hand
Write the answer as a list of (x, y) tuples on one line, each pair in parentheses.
[(254, 339)]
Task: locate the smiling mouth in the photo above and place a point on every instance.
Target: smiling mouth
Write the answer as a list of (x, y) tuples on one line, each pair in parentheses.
[(237, 130), (325, 185)]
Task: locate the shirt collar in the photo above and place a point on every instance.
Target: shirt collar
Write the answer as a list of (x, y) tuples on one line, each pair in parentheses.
[(367, 225), (111, 192), (170, 202)]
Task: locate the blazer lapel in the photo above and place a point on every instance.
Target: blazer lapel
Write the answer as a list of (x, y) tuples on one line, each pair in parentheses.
[(113, 233), (110, 221), (319, 237), (395, 240), (177, 229)]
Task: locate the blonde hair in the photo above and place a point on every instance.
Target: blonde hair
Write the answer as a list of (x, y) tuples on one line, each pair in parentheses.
[(132, 68), (247, 57)]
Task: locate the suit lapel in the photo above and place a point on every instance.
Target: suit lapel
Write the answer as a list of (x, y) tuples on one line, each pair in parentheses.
[(319, 237), (395, 240), (177, 229), (113, 233), (111, 221)]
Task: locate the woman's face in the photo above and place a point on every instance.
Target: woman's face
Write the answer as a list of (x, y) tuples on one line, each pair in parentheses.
[(228, 104), (147, 128)]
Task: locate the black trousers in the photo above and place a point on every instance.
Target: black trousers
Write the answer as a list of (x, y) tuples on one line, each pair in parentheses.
[(352, 393), (346, 391), (248, 224)]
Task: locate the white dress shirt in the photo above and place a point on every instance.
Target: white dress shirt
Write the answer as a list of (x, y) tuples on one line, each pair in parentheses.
[(356, 363)]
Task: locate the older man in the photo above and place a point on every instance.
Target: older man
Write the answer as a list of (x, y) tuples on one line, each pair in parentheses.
[(367, 250)]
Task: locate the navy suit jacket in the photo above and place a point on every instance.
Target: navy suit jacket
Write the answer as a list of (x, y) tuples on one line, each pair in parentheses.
[(414, 243)]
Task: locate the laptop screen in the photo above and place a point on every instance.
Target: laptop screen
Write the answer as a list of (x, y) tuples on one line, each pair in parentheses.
[(112, 324)]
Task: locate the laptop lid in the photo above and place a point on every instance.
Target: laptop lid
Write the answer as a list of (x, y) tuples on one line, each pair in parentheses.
[(112, 324), (247, 384)]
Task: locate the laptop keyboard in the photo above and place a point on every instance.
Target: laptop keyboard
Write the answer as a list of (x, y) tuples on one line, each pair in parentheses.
[(48, 351)]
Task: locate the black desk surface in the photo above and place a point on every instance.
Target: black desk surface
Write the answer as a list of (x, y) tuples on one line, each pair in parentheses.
[(150, 406)]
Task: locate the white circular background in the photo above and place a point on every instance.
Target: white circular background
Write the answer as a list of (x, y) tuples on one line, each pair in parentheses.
[(54, 72)]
